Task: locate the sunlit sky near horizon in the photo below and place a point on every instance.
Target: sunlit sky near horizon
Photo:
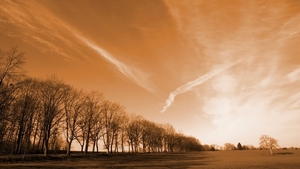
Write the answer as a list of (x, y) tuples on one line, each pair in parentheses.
[(222, 71)]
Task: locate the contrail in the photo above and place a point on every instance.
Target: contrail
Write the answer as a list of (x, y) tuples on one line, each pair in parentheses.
[(188, 86), (135, 75)]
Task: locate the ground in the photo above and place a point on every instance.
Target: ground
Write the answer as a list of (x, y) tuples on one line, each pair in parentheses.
[(218, 159)]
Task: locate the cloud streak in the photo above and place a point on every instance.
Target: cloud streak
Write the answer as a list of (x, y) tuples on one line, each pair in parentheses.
[(190, 85), (41, 29), (45, 31), (134, 74)]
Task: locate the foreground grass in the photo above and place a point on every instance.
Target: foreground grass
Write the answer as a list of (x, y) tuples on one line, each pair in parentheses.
[(219, 159)]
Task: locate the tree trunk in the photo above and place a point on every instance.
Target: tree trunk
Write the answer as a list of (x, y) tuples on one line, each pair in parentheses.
[(46, 148), (87, 142), (34, 137), (20, 136), (122, 143), (94, 145), (69, 148), (46, 140), (131, 143), (97, 146)]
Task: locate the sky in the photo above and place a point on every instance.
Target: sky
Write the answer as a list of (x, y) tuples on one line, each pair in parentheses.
[(222, 71)]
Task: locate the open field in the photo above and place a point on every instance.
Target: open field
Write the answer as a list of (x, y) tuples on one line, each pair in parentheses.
[(219, 159)]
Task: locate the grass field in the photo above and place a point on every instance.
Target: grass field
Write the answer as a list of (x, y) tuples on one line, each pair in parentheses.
[(287, 159)]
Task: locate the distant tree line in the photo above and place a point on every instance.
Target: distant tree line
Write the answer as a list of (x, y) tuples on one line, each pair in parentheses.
[(227, 147), (239, 146), (43, 116)]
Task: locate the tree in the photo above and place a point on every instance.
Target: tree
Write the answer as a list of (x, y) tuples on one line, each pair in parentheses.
[(123, 126), (229, 146), (73, 106), (189, 143), (213, 147), (169, 137), (152, 136), (10, 65), (112, 118), (35, 114), (134, 132), (91, 116), (239, 146), (52, 95), (10, 75), (24, 109), (80, 134), (268, 142)]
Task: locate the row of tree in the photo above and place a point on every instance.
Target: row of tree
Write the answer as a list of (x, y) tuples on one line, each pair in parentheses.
[(239, 146), (40, 116), (227, 147), (265, 142)]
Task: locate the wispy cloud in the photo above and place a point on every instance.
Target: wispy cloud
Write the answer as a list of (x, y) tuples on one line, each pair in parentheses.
[(45, 31), (190, 85), (294, 75), (134, 74), (265, 97), (40, 28)]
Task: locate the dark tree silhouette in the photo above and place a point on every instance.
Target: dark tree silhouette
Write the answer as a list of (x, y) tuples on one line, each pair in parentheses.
[(239, 146), (35, 114), (11, 74)]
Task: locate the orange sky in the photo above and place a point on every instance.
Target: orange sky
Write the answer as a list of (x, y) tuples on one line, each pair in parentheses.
[(223, 71)]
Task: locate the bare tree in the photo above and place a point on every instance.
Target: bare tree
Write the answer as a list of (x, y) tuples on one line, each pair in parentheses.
[(169, 137), (52, 96), (122, 134), (73, 107), (80, 134), (268, 142), (95, 122), (158, 137), (152, 136), (37, 130), (189, 143), (96, 131), (36, 113), (112, 118), (10, 74), (118, 127), (10, 65), (134, 133), (229, 146), (24, 109), (92, 111), (147, 132)]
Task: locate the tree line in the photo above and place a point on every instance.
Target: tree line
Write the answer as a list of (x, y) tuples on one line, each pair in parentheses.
[(46, 115)]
